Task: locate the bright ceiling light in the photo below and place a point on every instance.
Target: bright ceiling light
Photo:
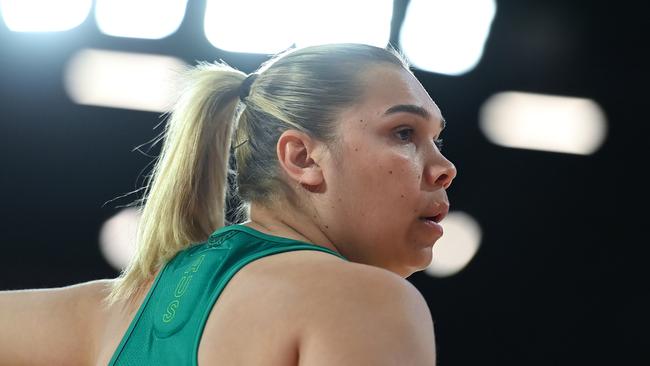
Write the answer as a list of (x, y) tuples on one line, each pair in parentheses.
[(123, 80), (543, 122), (250, 26), (457, 247), (149, 19), (446, 37), (44, 15), (343, 21), (273, 26)]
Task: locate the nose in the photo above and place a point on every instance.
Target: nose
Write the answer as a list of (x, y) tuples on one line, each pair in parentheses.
[(440, 173)]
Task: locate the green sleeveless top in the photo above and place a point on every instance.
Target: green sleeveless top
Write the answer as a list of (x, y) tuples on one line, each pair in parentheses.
[(167, 328)]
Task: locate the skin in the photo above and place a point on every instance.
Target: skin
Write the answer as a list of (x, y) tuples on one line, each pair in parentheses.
[(364, 197)]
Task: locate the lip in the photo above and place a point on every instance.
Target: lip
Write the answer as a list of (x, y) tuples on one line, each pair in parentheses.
[(433, 225), (436, 213)]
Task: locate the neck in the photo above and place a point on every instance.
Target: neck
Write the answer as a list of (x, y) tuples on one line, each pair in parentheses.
[(288, 223)]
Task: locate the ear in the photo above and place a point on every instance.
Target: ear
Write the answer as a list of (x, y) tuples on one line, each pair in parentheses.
[(298, 154)]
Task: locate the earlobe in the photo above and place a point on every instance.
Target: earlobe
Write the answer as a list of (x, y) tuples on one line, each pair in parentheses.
[(312, 176), (297, 157)]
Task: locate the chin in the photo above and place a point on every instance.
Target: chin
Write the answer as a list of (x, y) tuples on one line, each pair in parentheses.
[(424, 258), (417, 262), (407, 273)]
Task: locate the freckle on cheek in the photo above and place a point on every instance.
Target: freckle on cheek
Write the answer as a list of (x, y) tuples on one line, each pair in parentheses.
[(327, 227), (390, 172), (401, 195)]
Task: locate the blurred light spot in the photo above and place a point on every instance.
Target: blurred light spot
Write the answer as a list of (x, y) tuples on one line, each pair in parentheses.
[(457, 247), (117, 237), (543, 122), (343, 21), (269, 27), (150, 19), (446, 37), (44, 15), (250, 26), (123, 80)]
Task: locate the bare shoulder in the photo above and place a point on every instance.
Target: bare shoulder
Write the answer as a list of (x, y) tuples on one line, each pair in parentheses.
[(359, 314), (311, 308), (90, 309), (88, 299), (353, 277), (92, 293), (314, 280), (61, 321)]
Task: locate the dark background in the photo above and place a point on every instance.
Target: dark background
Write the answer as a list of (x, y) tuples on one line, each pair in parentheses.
[(560, 277)]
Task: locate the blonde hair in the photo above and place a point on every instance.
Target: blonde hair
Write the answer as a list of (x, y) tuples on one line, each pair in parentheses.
[(184, 196)]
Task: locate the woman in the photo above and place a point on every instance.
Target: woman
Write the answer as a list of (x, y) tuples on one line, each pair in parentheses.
[(339, 164)]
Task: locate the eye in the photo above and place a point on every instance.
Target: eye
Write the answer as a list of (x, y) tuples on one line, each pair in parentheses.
[(405, 134), (438, 143)]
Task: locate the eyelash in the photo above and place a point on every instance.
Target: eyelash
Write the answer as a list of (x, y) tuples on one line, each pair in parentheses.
[(438, 142)]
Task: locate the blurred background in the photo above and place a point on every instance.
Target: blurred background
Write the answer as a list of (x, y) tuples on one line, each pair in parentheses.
[(543, 261)]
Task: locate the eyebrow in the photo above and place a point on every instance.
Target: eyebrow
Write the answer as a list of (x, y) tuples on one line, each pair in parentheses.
[(414, 109)]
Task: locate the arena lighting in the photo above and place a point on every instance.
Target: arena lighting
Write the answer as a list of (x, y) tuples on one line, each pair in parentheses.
[(117, 237), (250, 26), (44, 15), (543, 122), (343, 21), (149, 19), (123, 80), (457, 247), (446, 37), (267, 27)]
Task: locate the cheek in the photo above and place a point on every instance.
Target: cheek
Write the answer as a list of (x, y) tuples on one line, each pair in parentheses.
[(401, 176), (384, 179)]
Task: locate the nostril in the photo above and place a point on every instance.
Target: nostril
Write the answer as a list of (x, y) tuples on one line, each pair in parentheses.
[(444, 180), (437, 176)]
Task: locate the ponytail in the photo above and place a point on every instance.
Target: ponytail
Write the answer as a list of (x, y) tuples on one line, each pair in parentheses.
[(184, 199)]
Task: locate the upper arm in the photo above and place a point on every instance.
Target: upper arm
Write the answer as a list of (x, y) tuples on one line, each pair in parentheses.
[(50, 326), (375, 318)]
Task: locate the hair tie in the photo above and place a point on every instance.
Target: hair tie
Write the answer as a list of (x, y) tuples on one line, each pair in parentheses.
[(245, 87)]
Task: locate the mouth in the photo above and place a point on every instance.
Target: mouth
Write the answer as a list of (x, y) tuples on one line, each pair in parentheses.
[(436, 215), (436, 218)]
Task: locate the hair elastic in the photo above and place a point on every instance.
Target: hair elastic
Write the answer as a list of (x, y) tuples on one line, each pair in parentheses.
[(245, 87)]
